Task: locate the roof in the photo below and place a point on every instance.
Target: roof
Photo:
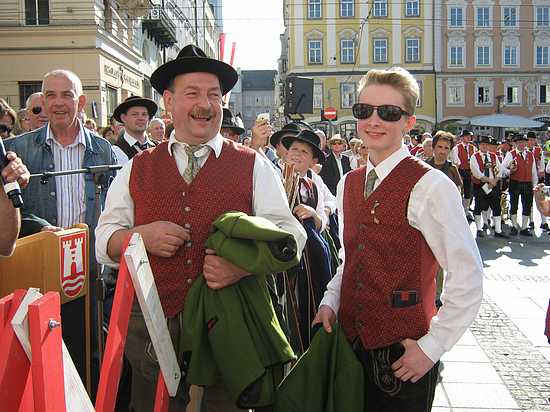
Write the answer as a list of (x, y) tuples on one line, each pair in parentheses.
[(258, 79)]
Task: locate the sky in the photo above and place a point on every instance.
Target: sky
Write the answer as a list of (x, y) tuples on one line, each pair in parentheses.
[(255, 25)]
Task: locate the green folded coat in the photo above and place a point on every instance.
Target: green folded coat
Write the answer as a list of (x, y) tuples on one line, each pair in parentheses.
[(233, 333), (328, 377)]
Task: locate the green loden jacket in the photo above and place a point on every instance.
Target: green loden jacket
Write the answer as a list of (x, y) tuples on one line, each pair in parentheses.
[(328, 377), (234, 332)]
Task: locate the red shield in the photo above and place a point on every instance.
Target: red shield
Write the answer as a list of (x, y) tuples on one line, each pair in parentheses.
[(73, 260)]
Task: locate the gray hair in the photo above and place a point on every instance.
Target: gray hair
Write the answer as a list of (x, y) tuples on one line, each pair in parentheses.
[(67, 74), (155, 120), (28, 101)]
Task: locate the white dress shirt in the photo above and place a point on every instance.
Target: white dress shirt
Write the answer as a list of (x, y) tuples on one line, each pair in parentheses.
[(339, 164), (435, 209), (328, 198), (70, 189), (268, 197), (507, 162), (478, 173), (121, 157), (320, 208)]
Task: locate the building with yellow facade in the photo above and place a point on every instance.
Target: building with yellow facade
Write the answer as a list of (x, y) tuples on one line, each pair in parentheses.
[(335, 42)]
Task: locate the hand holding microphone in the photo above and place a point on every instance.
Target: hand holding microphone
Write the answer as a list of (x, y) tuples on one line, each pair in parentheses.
[(14, 174)]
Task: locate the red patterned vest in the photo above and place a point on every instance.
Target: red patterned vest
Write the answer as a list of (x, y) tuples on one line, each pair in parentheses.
[(384, 253), (160, 193), (524, 171), (465, 151), (480, 162)]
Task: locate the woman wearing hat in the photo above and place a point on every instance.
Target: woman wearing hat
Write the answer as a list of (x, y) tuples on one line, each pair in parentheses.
[(314, 271)]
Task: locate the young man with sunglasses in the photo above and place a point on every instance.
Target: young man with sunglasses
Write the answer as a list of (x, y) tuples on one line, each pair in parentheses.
[(35, 111), (400, 220)]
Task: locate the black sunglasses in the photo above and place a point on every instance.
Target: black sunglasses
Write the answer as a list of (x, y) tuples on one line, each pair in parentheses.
[(36, 109), (5, 129), (387, 112)]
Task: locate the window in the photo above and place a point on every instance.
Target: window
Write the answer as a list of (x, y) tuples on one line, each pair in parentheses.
[(456, 17), (314, 9), (412, 54), (542, 55), (26, 89), (380, 50), (112, 99), (347, 51), (318, 96), (483, 53), (37, 12), (512, 95), (315, 55), (482, 14), (346, 8), (420, 93), (380, 8), (456, 56), (347, 93), (544, 94), (543, 16), (510, 16), (483, 95), (510, 56), (455, 95), (412, 8)]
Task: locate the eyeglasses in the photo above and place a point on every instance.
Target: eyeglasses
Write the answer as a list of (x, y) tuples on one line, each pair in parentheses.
[(387, 112), (5, 129), (36, 110)]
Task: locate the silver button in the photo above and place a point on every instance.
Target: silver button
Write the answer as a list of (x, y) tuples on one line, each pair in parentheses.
[(51, 166), (188, 261), (187, 208), (183, 194), (188, 244), (52, 193), (187, 226), (189, 281)]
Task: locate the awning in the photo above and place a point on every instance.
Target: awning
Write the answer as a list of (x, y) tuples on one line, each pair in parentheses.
[(501, 120)]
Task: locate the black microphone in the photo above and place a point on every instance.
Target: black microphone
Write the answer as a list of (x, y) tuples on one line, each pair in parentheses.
[(12, 189)]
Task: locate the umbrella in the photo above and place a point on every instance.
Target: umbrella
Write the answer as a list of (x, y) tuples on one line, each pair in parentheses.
[(502, 120)]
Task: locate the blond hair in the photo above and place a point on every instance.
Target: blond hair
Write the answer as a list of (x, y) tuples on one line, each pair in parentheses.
[(398, 78)]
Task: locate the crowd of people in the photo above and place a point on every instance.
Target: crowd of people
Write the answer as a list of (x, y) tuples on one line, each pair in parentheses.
[(376, 220)]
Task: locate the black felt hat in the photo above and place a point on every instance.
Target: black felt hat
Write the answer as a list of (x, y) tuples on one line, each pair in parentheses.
[(518, 137), (290, 129), (230, 122), (135, 101), (531, 135), (485, 139), (192, 59), (309, 137), (466, 132)]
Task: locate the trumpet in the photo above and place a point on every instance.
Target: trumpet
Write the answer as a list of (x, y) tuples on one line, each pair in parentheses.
[(291, 179)]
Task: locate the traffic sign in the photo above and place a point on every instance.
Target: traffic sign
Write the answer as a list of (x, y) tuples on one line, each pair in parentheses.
[(330, 113)]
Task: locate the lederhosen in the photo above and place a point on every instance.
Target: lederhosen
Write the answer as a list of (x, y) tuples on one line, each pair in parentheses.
[(491, 199)]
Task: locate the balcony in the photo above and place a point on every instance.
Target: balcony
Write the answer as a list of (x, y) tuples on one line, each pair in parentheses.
[(160, 27)]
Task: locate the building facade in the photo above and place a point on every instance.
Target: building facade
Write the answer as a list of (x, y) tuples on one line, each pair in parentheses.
[(337, 42), (112, 45), (493, 56)]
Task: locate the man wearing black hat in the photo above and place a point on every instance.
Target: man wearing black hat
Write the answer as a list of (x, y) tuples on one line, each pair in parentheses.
[(486, 173), (464, 151), (522, 168), (173, 208), (134, 113), (230, 127)]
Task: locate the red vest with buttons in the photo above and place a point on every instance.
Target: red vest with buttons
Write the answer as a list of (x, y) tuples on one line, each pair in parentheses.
[(537, 152), (480, 162), (465, 151), (524, 171), (160, 193), (384, 253)]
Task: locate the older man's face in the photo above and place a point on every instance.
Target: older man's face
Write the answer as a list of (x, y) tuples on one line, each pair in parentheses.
[(196, 106), (156, 131), (61, 101), (36, 113)]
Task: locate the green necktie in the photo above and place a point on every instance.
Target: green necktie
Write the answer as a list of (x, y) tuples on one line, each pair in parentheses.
[(192, 162), (369, 184)]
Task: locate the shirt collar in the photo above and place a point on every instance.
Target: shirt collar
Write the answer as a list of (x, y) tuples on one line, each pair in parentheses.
[(387, 165), (132, 141), (80, 138), (215, 144)]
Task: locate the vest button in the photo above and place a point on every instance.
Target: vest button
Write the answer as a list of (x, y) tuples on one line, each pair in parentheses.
[(359, 285), (188, 244), (188, 262), (361, 246), (358, 324), (183, 194), (189, 281), (362, 226), (187, 226), (52, 194), (187, 208), (359, 306)]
